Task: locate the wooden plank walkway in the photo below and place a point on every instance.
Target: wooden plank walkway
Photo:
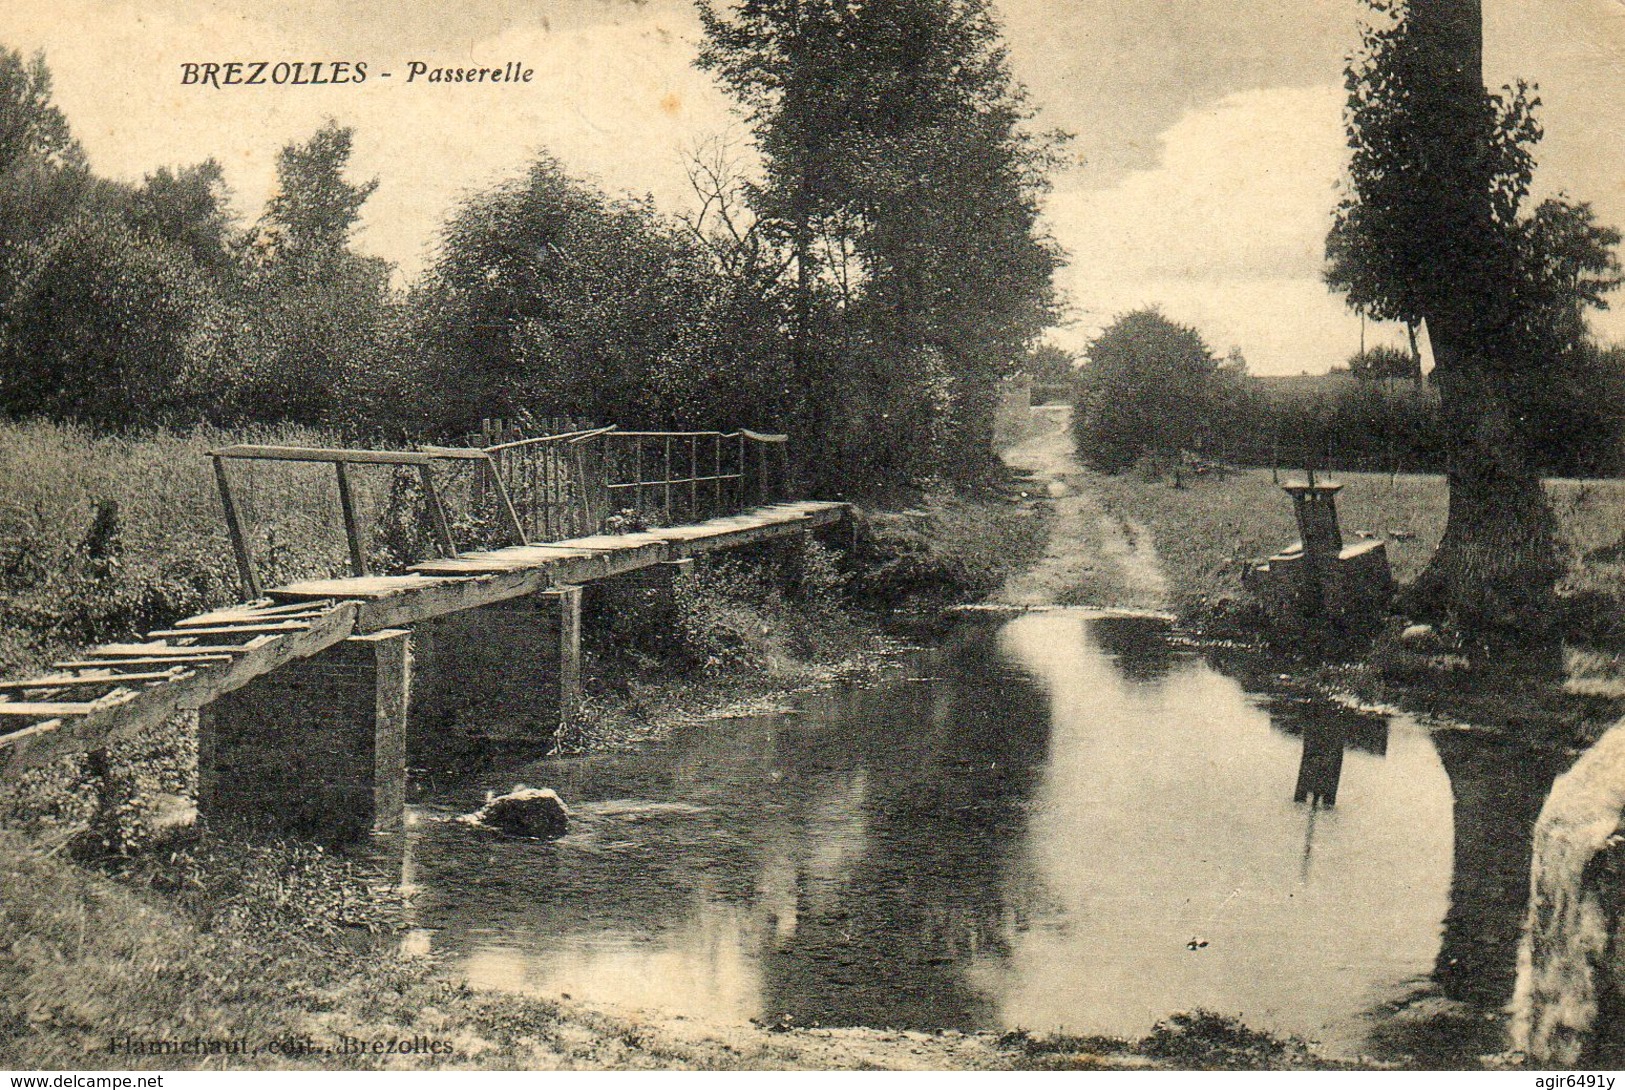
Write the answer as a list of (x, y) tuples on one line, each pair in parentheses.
[(117, 690)]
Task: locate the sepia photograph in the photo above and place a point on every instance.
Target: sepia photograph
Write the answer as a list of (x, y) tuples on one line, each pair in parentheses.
[(812, 535)]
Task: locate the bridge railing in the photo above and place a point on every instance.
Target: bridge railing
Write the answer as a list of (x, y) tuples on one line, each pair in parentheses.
[(671, 477), (242, 531), (443, 500), (550, 481)]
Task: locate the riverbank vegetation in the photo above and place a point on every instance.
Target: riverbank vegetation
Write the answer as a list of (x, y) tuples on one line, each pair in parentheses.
[(1154, 389), (93, 963), (1219, 520), (176, 951)]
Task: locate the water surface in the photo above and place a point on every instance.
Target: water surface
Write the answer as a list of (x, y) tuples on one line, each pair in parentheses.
[(1060, 822)]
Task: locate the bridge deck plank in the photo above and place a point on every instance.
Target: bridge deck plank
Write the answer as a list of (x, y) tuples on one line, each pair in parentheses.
[(86, 681), (391, 601), (300, 619), (126, 712)]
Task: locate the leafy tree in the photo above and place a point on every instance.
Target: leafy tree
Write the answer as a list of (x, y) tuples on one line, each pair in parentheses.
[(189, 207), (1148, 389), (42, 167), (110, 328), (901, 181), (104, 316), (1433, 230), (315, 304), (1052, 369), (31, 125), (308, 222), (549, 298)]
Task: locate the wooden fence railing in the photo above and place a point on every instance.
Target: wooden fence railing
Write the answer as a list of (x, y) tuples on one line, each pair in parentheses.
[(522, 491), (669, 477)]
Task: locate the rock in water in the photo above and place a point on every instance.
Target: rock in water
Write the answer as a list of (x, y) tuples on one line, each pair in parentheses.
[(1419, 634), (524, 811)]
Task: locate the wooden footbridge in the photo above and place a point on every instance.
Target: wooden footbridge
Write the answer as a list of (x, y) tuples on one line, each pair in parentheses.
[(304, 692)]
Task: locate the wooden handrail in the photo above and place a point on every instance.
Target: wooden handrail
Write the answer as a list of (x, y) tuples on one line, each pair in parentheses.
[(566, 436), (594, 475), (323, 454)]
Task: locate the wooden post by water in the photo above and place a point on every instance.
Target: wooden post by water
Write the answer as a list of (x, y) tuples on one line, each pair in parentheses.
[(352, 527), (234, 526)]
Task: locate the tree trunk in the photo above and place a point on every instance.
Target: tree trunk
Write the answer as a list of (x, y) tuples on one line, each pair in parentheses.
[(1496, 565), (814, 444)]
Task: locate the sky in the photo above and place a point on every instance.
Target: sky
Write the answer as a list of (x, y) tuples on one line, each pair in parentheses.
[(1207, 144)]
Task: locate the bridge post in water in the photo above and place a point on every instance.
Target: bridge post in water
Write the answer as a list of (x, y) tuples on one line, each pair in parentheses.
[(507, 672), (317, 748)]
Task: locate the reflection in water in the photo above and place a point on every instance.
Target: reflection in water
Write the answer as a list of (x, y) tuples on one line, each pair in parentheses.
[(1166, 817), (950, 774), (1138, 646), (1032, 836), (1321, 767), (1498, 790)]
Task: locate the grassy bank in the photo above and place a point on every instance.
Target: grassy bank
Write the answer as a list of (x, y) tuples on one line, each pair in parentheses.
[(92, 960), (93, 963), (1208, 530), (102, 537)]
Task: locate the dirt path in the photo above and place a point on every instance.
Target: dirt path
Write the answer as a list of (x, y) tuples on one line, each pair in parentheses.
[(1094, 558)]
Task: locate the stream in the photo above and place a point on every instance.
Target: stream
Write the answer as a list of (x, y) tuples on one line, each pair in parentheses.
[(1062, 822)]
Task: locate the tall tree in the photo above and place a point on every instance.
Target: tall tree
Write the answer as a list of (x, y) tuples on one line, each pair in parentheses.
[(1432, 230), (42, 167), (31, 125), (316, 303), (900, 177), (101, 319), (190, 207), (550, 298)]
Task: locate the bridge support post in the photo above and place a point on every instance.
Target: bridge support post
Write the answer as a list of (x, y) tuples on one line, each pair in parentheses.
[(316, 749), (506, 672)]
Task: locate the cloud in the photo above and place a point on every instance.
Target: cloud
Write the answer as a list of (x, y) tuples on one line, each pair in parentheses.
[(1243, 188), (1226, 232)]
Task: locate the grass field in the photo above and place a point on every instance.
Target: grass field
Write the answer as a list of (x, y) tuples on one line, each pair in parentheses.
[(1205, 531), (157, 550)]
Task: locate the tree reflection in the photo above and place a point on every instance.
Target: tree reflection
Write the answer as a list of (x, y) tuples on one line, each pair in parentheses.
[(1498, 789), (1138, 646), (939, 883)]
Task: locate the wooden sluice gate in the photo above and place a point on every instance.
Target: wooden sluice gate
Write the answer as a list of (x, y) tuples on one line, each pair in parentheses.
[(1318, 585), (305, 695)]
